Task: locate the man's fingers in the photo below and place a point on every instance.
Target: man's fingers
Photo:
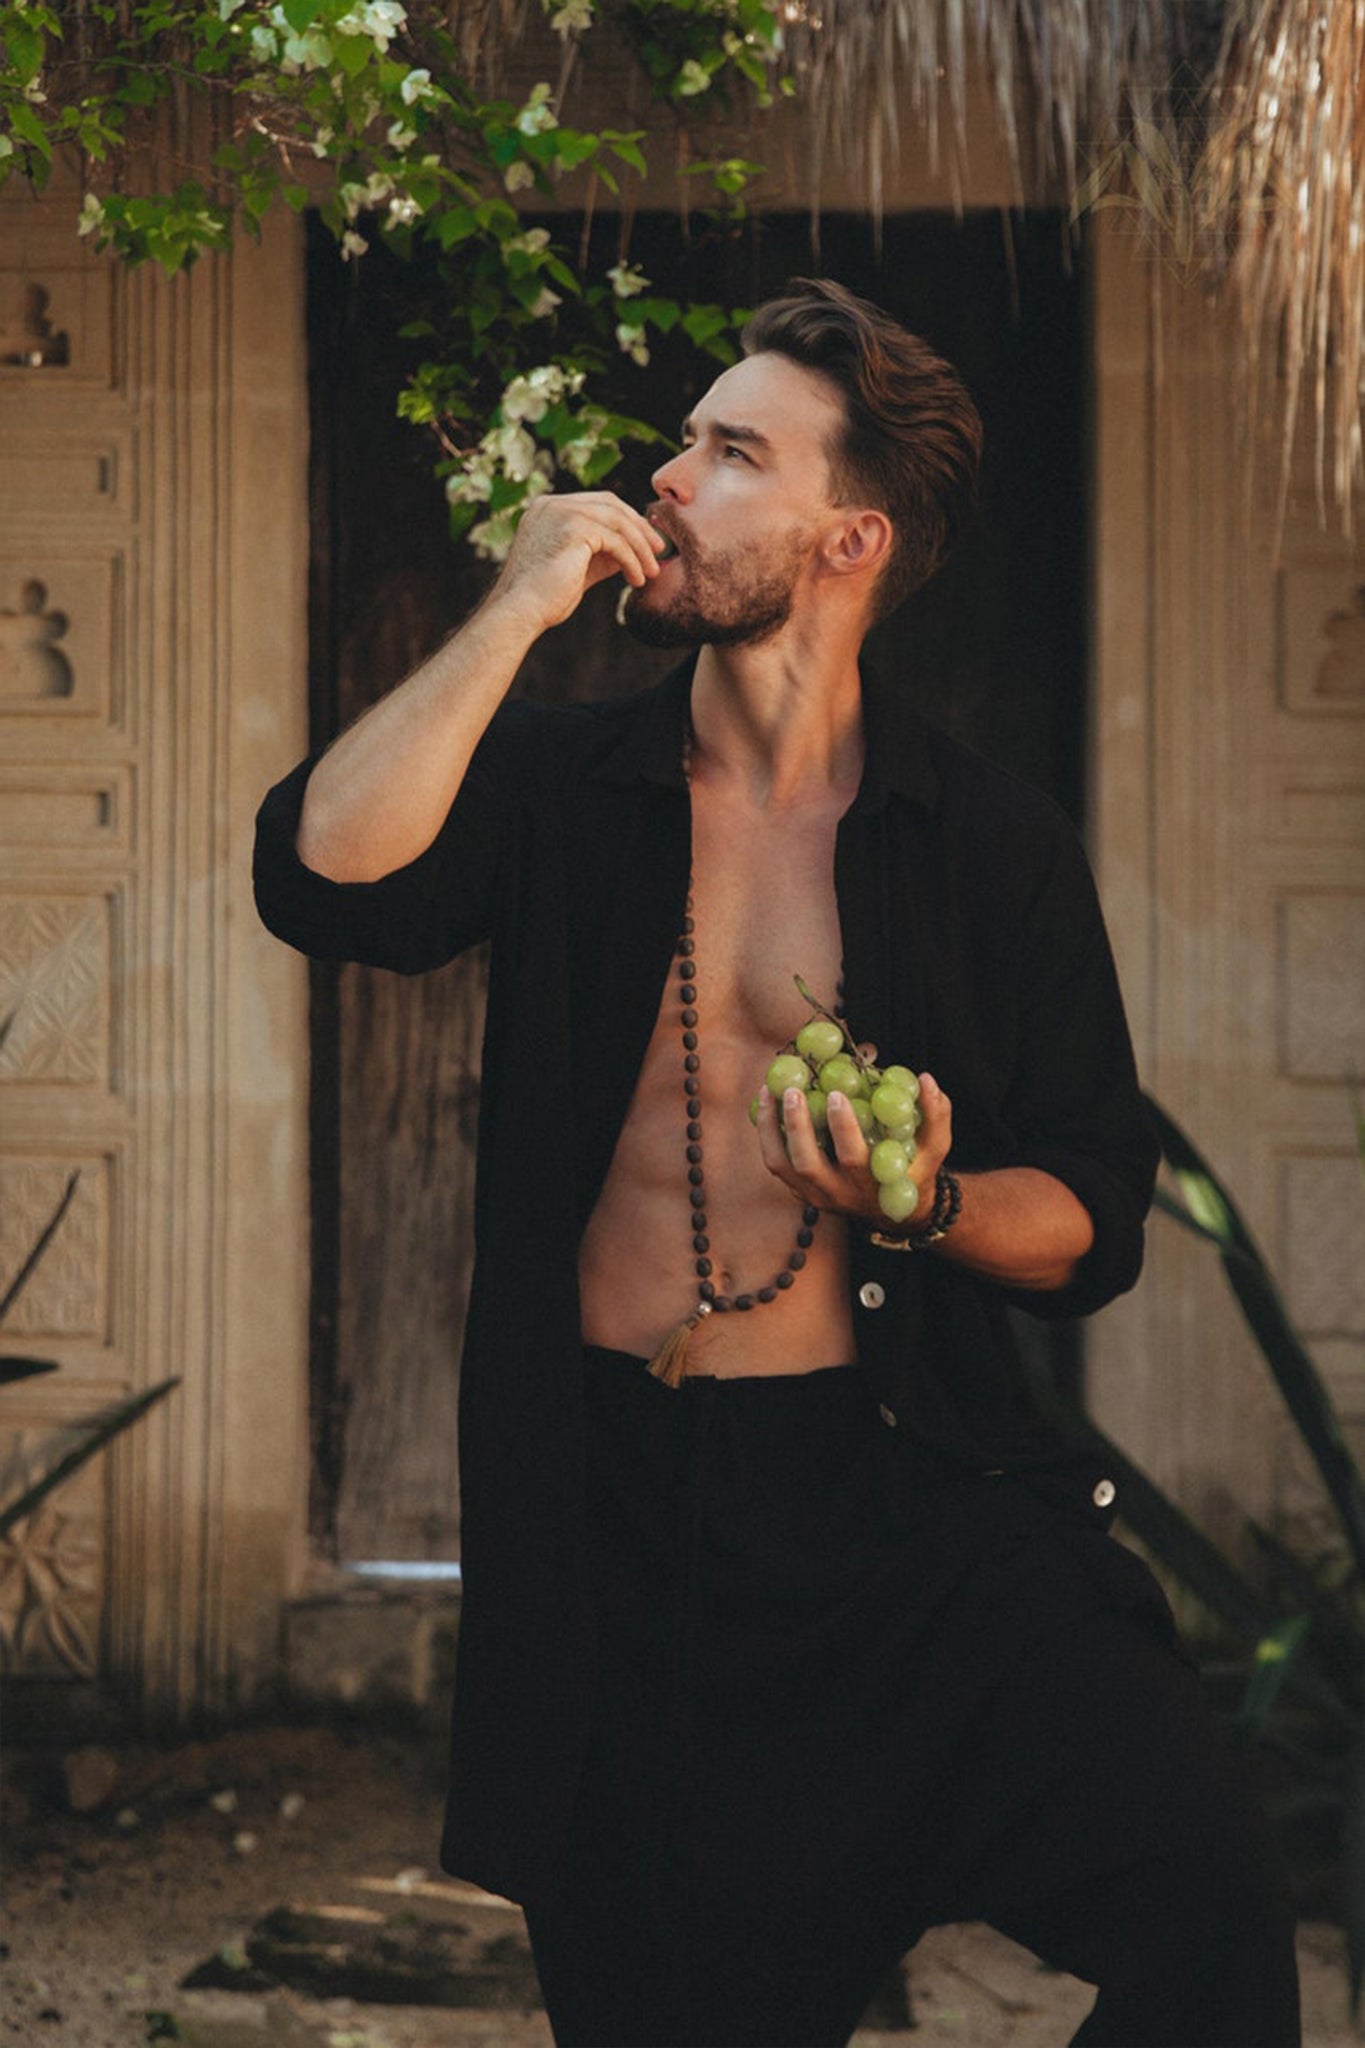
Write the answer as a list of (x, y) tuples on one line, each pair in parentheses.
[(770, 1141), (850, 1146)]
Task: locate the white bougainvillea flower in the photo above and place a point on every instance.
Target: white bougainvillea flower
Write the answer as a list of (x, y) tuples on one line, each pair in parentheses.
[(537, 115), (417, 86), (573, 16), (91, 214), (513, 448), (517, 177), (631, 341), (627, 280), (264, 42), (353, 244), (545, 303), (532, 242), (473, 483), (529, 397), (400, 135), (493, 537), (403, 210), (692, 79)]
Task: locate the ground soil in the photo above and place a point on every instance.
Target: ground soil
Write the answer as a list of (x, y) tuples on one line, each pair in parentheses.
[(107, 1913)]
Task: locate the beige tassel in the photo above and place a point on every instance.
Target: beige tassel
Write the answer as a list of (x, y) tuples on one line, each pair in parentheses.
[(669, 1362)]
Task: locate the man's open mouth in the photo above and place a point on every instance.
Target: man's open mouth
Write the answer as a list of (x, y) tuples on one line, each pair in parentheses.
[(670, 546)]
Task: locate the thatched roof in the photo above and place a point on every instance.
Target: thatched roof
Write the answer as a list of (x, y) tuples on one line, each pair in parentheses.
[(1236, 126)]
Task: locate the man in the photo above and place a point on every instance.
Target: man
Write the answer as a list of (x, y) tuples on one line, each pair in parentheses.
[(787, 1630)]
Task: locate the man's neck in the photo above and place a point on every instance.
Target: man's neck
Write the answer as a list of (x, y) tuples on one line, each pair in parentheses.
[(776, 725)]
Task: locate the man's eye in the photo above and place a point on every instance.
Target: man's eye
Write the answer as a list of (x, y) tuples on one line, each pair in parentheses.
[(731, 449)]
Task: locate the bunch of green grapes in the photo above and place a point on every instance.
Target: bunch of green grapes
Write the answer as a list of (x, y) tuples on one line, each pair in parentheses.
[(824, 1057)]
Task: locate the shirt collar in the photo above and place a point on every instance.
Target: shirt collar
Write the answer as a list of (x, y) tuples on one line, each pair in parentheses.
[(648, 743)]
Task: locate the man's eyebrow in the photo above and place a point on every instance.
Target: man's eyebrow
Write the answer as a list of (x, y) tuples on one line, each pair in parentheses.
[(719, 431)]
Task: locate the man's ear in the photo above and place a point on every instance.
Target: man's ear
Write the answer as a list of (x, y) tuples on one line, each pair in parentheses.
[(859, 544)]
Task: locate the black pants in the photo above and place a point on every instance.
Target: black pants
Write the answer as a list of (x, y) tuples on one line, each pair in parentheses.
[(844, 1697)]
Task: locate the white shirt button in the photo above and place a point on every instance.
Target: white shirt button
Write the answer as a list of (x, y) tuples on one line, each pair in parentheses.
[(872, 1294), (888, 1415), (1104, 1494)]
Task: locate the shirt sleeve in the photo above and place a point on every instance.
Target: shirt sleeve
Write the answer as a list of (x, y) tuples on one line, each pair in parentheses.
[(421, 915), (1075, 1107)]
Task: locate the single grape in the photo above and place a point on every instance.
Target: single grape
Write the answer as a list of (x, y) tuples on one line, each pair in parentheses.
[(888, 1161), (904, 1135), (818, 1104), (898, 1199), (892, 1105), (842, 1073), (902, 1077), (867, 1123), (819, 1040), (787, 1071), (753, 1110)]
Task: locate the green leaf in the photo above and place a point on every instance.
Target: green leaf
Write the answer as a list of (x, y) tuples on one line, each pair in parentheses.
[(110, 1425), (352, 53), (296, 197), (299, 14), (44, 1239), (1283, 1350), (26, 123)]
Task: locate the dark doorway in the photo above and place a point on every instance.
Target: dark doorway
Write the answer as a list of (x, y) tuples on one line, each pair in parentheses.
[(994, 648)]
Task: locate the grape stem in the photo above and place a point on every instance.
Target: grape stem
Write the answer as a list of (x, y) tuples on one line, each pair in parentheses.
[(864, 1065)]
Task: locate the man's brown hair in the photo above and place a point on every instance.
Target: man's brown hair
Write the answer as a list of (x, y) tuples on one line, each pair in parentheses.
[(911, 440)]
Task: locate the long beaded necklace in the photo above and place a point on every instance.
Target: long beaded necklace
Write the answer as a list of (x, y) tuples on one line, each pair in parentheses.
[(669, 1362)]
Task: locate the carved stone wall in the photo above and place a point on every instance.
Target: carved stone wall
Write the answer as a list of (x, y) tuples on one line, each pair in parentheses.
[(1229, 782), (152, 679)]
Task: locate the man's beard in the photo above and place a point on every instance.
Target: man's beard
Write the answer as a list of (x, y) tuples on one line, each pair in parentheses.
[(734, 599)]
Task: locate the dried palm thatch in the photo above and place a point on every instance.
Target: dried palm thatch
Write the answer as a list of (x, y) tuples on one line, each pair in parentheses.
[(1285, 173), (1241, 123)]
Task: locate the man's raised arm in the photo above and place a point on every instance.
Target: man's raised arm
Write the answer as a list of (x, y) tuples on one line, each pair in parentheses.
[(379, 795)]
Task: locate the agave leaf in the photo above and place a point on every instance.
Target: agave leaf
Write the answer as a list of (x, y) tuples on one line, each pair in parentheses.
[(1353, 1872), (103, 1431), (45, 1237), (15, 1368), (1263, 1306), (1338, 1637), (1275, 1657)]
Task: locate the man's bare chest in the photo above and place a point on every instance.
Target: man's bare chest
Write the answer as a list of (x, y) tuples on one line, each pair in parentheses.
[(764, 908)]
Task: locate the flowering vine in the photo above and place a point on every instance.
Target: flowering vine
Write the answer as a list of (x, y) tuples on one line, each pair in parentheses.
[(365, 111)]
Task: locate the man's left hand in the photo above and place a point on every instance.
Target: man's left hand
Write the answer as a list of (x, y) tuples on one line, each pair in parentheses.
[(844, 1184)]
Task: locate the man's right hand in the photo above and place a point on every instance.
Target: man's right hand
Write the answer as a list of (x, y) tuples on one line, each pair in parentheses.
[(566, 544)]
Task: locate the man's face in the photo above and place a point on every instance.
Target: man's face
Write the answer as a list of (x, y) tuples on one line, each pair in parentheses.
[(745, 504)]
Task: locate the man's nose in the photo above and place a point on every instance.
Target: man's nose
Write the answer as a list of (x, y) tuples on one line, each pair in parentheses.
[(671, 478)]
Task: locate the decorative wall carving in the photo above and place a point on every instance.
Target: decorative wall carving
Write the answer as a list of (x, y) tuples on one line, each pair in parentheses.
[(32, 664), (1320, 632), (28, 339), (1340, 674), (55, 962), (1321, 971), (1324, 810), (55, 476), (64, 810), (68, 1295), (60, 637), (58, 306), (50, 1569), (1322, 1222)]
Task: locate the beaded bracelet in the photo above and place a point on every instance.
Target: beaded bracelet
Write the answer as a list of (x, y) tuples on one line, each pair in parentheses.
[(944, 1214)]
